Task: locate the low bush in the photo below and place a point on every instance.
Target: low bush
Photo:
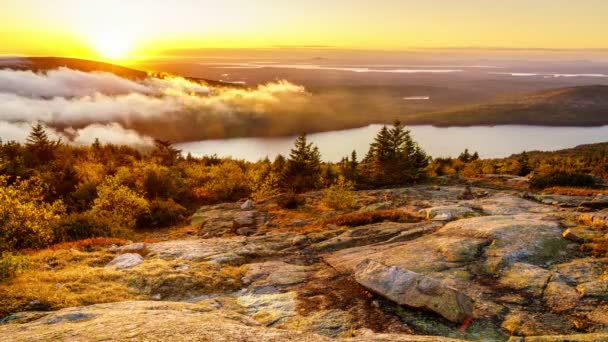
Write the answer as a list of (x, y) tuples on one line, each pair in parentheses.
[(162, 214), (79, 226), (369, 217), (339, 195), (11, 265), (562, 178), (25, 218), (119, 204), (290, 201)]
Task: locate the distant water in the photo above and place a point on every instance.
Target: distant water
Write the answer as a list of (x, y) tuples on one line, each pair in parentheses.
[(490, 142)]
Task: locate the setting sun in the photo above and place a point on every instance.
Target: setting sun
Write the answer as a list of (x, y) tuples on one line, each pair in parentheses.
[(112, 45)]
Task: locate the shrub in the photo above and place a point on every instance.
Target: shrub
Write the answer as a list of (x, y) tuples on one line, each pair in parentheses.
[(162, 214), (370, 217), (119, 203), (227, 181), (264, 181), (25, 219), (11, 265), (562, 178), (79, 226), (82, 198), (339, 195), (290, 201)]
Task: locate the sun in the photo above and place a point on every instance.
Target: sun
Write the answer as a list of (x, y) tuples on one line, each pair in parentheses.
[(112, 45)]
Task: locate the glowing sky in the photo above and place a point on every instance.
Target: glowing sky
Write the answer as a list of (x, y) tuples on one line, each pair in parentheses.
[(146, 27)]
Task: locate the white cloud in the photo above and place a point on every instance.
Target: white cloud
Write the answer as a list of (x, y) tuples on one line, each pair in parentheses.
[(103, 105)]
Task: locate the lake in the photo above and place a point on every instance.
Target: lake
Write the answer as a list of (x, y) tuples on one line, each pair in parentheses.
[(490, 142)]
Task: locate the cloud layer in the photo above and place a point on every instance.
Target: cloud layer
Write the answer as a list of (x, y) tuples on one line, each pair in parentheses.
[(81, 106)]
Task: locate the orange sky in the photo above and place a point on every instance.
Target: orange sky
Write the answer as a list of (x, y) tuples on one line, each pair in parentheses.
[(130, 28)]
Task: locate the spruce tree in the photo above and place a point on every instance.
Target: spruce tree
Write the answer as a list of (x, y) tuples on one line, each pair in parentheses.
[(302, 171), (278, 165), (465, 156), (40, 146), (166, 153), (349, 168), (394, 158), (524, 165)]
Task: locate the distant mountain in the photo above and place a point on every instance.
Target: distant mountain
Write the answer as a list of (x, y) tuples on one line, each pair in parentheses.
[(573, 106), (49, 63)]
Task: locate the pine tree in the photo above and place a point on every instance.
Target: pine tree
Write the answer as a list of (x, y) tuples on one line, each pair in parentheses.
[(278, 166), (394, 158), (328, 177), (349, 168), (465, 156), (40, 146), (303, 168), (166, 153), (524, 165)]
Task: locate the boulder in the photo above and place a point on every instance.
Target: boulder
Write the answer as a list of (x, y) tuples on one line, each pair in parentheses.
[(137, 248), (466, 194), (446, 213), (414, 290), (244, 219), (124, 261), (247, 205), (581, 234)]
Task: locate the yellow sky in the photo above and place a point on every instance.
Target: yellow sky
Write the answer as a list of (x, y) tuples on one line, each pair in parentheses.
[(89, 28)]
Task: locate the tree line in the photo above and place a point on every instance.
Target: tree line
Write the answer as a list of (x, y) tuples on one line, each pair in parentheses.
[(52, 192)]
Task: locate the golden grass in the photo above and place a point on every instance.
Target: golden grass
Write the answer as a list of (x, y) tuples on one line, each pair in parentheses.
[(91, 244), (78, 278), (65, 278)]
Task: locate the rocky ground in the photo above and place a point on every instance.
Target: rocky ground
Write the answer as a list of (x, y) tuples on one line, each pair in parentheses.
[(485, 264)]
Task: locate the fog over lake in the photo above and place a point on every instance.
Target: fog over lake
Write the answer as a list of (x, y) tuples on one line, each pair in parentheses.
[(490, 142)]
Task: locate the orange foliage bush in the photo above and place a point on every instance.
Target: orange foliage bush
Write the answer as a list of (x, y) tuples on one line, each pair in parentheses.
[(369, 217)]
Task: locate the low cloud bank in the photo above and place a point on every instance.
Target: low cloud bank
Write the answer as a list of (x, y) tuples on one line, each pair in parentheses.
[(81, 106)]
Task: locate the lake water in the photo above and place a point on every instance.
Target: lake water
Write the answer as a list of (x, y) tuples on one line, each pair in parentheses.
[(490, 142)]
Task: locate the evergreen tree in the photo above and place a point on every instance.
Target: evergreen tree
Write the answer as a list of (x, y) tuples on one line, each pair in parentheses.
[(328, 177), (349, 168), (465, 156), (303, 168), (394, 158), (278, 166), (40, 146), (524, 165), (166, 153)]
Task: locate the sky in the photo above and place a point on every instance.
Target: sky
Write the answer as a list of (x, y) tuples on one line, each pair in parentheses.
[(129, 28)]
